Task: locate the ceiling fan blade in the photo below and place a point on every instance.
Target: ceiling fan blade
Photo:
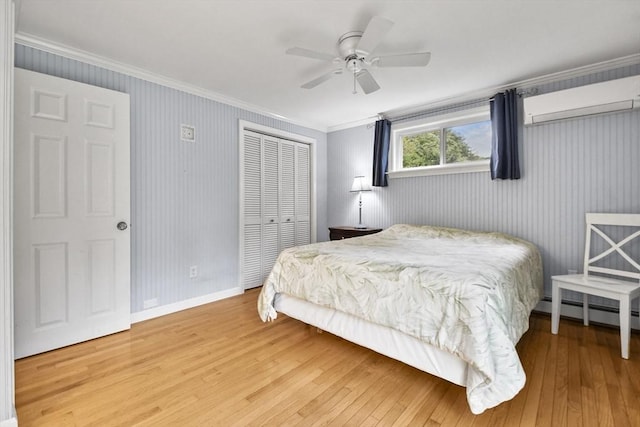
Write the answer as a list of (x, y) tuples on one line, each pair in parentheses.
[(323, 78), (420, 59), (376, 29), (367, 82), (308, 53)]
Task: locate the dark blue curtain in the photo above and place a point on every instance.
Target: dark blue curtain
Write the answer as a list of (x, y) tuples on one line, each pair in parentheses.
[(505, 163), (381, 152)]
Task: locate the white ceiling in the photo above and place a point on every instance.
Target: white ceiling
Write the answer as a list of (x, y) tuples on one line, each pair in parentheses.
[(236, 48)]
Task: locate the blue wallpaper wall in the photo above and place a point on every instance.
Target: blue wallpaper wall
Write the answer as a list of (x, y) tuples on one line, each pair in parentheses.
[(184, 197), (588, 164)]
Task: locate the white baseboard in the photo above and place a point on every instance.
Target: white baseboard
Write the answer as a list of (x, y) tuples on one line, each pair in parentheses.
[(595, 315), (163, 310), (11, 422)]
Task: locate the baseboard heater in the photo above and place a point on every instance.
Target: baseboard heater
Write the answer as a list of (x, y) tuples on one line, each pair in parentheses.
[(598, 314), (606, 97)]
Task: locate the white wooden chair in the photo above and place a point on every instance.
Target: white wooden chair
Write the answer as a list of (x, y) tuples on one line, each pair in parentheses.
[(616, 285)]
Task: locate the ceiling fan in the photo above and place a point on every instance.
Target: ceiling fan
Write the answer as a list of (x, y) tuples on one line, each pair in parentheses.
[(355, 48)]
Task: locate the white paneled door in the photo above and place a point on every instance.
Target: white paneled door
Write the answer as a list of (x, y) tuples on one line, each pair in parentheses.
[(72, 210)]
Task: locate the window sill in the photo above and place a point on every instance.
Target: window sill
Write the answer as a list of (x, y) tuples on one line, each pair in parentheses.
[(481, 166)]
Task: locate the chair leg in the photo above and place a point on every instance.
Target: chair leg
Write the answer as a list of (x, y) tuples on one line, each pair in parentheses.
[(585, 309), (556, 296), (625, 325)]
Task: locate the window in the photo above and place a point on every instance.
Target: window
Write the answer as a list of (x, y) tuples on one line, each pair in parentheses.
[(458, 142)]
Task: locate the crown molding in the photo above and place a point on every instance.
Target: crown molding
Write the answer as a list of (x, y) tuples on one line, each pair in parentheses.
[(522, 84), (579, 71), (35, 42), (350, 125)]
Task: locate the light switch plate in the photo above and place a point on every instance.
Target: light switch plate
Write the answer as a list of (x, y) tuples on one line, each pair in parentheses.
[(187, 133)]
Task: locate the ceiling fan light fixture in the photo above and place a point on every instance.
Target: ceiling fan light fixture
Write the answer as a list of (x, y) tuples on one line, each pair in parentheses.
[(353, 63)]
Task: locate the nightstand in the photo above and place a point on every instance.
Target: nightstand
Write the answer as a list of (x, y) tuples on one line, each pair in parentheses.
[(339, 233)]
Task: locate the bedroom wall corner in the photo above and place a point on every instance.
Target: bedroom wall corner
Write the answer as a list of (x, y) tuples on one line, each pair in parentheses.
[(350, 153)]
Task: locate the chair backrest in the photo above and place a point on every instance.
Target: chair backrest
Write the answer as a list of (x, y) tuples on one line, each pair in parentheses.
[(595, 223)]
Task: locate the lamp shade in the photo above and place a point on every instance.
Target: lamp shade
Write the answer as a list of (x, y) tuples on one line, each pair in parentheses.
[(359, 184)]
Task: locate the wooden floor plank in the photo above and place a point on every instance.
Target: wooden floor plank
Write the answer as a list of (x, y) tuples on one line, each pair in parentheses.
[(536, 361), (603, 405), (559, 412), (545, 407), (218, 364)]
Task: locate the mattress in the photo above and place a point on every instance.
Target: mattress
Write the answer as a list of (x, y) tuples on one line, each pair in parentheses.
[(465, 293)]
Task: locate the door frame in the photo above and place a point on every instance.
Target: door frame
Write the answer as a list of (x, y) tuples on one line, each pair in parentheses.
[(7, 388), (244, 125)]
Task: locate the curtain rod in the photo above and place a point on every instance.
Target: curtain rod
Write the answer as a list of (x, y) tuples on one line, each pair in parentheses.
[(434, 110), (523, 93)]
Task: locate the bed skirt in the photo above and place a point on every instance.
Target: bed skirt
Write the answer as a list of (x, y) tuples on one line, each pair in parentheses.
[(381, 339)]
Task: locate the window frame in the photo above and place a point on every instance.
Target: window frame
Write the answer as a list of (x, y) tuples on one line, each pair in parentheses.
[(428, 124)]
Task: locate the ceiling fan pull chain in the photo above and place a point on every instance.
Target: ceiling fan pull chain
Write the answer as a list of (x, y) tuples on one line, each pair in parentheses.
[(355, 91)]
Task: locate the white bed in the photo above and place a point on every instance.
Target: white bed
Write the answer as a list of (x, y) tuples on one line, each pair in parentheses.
[(449, 302)]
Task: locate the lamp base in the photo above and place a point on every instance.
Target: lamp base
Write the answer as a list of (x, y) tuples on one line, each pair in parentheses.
[(360, 227)]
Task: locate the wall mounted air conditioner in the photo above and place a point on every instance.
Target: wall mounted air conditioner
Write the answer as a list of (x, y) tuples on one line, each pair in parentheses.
[(605, 97)]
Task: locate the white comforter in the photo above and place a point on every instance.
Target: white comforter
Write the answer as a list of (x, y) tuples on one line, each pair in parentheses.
[(464, 292)]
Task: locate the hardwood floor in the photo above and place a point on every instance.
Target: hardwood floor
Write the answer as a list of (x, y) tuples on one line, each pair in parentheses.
[(218, 364)]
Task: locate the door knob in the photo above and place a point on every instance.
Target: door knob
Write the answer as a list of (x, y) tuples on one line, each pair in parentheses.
[(122, 226)]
